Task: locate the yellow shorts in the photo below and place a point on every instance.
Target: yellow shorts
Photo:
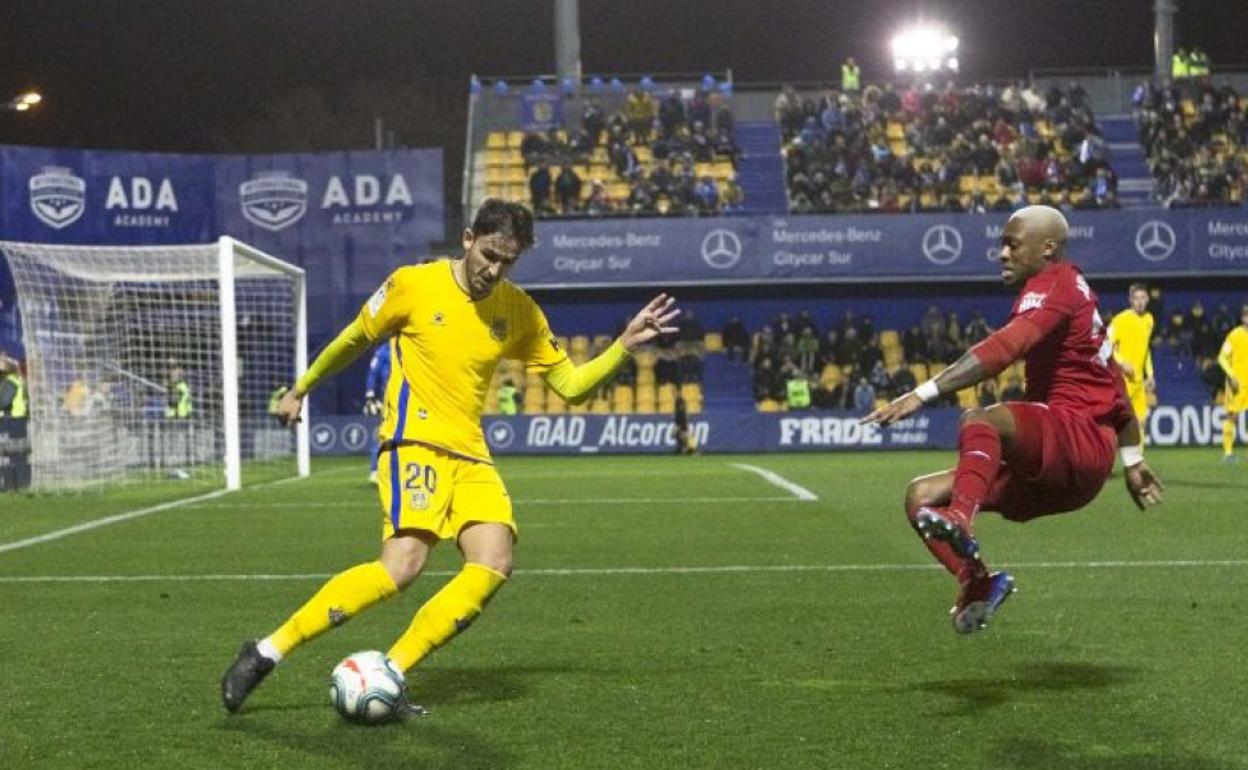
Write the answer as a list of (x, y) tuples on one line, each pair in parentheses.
[(423, 487), (1237, 402), (1138, 395)]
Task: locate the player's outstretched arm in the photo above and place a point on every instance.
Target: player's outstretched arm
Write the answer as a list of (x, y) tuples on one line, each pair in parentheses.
[(983, 361), (1142, 484), (349, 345), (575, 384)]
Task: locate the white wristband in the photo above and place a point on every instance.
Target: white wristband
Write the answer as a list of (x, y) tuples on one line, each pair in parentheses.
[(927, 392), (1131, 455)]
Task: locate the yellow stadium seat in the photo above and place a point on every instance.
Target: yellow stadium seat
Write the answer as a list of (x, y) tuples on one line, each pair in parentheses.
[(831, 376), (919, 371), (533, 401), (645, 392), (555, 405), (600, 406), (578, 344), (643, 154), (581, 408), (967, 399), (514, 175), (889, 338), (714, 342), (694, 407), (893, 357), (645, 358), (646, 407), (895, 130), (645, 377), (770, 405), (496, 140), (515, 138), (691, 391), (667, 391)]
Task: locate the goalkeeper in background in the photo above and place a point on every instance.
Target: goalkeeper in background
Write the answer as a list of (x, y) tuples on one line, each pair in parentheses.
[(378, 375), (449, 323), (1130, 332)]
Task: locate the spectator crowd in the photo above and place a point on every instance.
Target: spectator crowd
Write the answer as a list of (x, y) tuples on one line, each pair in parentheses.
[(672, 155), (852, 365), (923, 148), (1195, 135)]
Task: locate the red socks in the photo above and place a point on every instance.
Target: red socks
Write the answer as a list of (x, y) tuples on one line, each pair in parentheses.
[(979, 459)]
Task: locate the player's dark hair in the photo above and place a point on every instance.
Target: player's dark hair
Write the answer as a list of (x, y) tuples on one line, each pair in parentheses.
[(507, 218), (1133, 288)]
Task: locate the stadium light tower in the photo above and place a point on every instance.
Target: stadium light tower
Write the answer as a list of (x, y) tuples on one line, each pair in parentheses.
[(925, 48), (24, 102)]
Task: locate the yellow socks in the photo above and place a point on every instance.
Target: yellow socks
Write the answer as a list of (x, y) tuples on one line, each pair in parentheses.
[(450, 611), (345, 595), (1228, 434)]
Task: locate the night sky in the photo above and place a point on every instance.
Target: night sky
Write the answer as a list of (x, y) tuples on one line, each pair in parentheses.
[(220, 75)]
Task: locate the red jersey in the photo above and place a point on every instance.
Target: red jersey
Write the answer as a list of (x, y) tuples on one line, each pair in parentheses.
[(1072, 366)]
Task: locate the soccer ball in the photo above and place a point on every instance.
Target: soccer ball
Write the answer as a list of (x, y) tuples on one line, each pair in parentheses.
[(366, 688)]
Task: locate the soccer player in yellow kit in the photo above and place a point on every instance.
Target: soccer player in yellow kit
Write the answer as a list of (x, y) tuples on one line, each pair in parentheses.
[(1233, 358), (1130, 332), (448, 323)]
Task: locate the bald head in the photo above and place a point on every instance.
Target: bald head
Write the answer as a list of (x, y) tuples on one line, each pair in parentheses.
[(1033, 237), (1043, 223)]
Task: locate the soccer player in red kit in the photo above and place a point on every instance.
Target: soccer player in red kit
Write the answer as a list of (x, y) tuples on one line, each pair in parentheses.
[(1049, 453)]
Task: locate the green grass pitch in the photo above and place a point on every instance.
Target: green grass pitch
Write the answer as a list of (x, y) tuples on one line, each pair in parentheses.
[(666, 613)]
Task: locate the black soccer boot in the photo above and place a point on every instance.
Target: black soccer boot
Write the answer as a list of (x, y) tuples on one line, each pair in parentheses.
[(248, 670)]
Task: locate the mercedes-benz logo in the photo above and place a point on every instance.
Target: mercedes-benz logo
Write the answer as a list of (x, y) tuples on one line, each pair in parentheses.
[(1155, 240), (942, 244), (721, 249), (500, 434), (354, 437)]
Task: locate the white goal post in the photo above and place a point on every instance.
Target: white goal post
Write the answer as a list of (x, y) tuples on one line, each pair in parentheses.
[(159, 362)]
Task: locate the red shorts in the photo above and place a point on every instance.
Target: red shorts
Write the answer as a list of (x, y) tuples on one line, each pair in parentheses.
[(1059, 462)]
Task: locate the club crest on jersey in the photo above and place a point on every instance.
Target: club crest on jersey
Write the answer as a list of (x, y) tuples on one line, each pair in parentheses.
[(1030, 301), (438, 318), (554, 343), (498, 329), (273, 199), (419, 499), (57, 196)]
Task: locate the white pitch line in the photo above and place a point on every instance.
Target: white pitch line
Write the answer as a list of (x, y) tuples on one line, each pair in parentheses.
[(531, 501), (86, 526), (776, 479), (595, 571)]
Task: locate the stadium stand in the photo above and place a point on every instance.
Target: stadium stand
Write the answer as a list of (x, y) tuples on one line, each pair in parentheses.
[(1196, 140), (975, 148), (674, 155)]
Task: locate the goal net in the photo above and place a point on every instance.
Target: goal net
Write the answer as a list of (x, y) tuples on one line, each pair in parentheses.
[(149, 363)]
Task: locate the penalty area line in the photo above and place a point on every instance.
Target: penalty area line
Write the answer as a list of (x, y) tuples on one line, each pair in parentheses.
[(87, 526), (673, 570), (798, 491)]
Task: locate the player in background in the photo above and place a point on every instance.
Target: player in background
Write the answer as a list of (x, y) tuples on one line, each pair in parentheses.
[(449, 323), (1130, 332), (1233, 358), (1048, 454), (378, 376)]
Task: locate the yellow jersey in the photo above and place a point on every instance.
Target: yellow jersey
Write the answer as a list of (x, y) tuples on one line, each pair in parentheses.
[(1130, 333), (1234, 354), (444, 349)]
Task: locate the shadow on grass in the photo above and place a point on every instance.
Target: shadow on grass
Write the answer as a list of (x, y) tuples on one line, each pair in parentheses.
[(421, 742), (1030, 754), (330, 742), (978, 694)]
